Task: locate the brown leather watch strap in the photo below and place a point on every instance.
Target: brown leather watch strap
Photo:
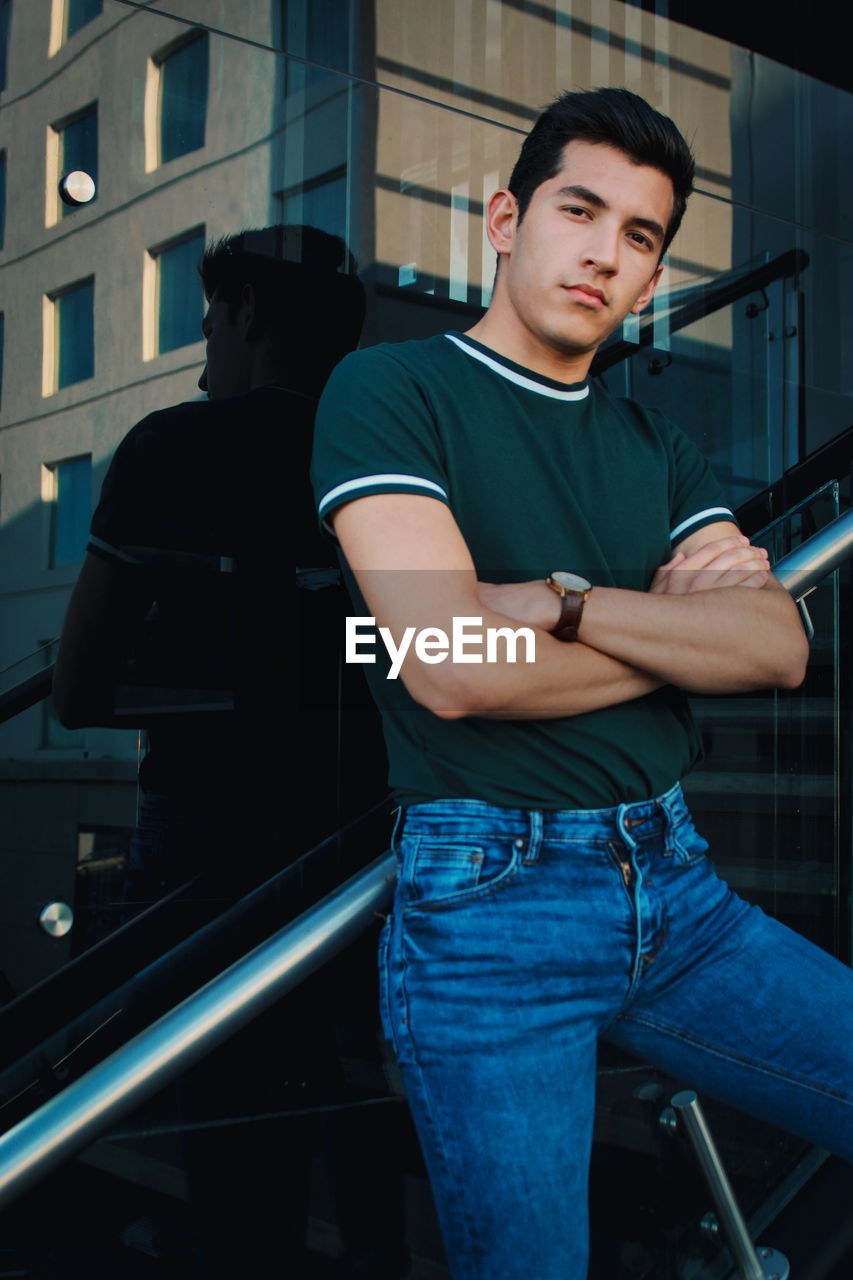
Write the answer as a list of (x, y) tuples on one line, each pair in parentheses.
[(570, 616)]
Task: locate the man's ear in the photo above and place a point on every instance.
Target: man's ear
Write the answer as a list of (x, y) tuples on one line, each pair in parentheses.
[(247, 317), (648, 293), (502, 221)]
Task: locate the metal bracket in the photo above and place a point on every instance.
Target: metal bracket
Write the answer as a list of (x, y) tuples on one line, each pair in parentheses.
[(660, 362), (751, 1264), (753, 309)]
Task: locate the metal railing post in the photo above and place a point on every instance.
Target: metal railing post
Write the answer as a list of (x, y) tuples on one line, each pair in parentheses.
[(770, 1265)]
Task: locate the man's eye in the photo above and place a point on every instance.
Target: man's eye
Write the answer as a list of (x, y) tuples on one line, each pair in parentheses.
[(639, 238), (573, 208)]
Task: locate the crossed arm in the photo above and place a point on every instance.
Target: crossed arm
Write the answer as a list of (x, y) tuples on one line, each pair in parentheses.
[(713, 621)]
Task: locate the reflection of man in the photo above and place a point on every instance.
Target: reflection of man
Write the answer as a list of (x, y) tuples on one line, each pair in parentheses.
[(204, 511), (552, 886)]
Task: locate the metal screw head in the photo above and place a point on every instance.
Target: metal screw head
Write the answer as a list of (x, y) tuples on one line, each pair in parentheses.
[(668, 1120), (56, 919), (710, 1227)]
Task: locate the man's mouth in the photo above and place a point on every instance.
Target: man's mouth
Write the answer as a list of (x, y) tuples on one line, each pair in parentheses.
[(587, 294)]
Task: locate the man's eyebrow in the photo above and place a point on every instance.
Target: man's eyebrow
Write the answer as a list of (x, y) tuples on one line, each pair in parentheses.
[(597, 201), (584, 193)]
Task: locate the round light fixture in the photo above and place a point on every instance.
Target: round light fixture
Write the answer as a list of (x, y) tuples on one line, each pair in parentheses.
[(56, 919), (77, 187)]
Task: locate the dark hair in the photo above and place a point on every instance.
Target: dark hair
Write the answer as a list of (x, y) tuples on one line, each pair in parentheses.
[(619, 119), (305, 286)]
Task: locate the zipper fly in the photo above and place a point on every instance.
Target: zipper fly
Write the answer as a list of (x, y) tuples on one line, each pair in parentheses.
[(624, 866)]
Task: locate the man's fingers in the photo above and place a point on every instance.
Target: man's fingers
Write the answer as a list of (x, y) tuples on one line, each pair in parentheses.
[(714, 559), (708, 551)]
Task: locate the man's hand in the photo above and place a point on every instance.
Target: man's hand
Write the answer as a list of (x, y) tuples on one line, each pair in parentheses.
[(727, 562)]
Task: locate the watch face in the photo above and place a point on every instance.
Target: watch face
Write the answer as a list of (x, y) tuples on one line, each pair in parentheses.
[(570, 581)]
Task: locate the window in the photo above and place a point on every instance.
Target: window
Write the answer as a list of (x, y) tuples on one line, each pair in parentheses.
[(76, 149), (79, 12), (2, 196), (66, 19), (5, 21), (176, 101), (99, 905), (67, 489), (315, 29), (69, 336), (320, 202), (174, 300)]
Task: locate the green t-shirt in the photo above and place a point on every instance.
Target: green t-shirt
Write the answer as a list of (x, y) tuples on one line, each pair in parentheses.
[(539, 475)]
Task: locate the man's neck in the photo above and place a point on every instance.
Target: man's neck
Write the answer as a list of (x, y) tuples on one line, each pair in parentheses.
[(518, 344)]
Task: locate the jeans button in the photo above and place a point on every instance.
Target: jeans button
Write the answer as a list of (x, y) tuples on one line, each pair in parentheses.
[(519, 844)]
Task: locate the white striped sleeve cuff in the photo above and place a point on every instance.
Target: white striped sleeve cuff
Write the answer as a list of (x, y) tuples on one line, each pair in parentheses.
[(707, 516), (386, 482)]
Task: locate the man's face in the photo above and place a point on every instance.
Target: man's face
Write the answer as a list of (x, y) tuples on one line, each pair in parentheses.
[(588, 248), (227, 371)]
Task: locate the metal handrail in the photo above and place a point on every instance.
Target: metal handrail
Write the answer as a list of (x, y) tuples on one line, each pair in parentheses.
[(26, 694), (75, 1117), (703, 300), (802, 569)]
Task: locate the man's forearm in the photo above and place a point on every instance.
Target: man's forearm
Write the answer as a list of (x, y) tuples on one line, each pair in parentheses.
[(565, 680), (724, 640)]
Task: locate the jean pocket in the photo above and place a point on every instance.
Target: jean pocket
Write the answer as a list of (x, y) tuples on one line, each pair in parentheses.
[(686, 844), (445, 871)]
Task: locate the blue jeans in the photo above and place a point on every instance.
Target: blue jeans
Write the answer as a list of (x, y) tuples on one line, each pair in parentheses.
[(517, 939)]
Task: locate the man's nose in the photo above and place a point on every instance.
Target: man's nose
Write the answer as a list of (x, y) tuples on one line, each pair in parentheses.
[(602, 248), (202, 382)]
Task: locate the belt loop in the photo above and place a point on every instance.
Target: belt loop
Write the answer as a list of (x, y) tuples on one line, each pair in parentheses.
[(399, 821), (668, 804), (623, 826), (534, 844)]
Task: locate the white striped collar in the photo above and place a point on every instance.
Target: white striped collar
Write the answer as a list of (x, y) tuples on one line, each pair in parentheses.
[(545, 388)]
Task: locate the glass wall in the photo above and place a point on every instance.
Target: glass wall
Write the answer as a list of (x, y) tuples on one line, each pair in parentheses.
[(387, 124)]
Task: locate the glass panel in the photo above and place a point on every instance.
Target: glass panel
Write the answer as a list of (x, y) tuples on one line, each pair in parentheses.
[(79, 142), (183, 99), (79, 12), (2, 196), (75, 334), (400, 163), (2, 341), (180, 303), (766, 796), (71, 510)]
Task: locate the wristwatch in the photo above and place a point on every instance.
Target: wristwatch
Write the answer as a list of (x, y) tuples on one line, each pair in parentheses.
[(574, 591)]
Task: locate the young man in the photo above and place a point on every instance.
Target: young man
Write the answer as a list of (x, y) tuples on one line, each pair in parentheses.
[(552, 886)]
